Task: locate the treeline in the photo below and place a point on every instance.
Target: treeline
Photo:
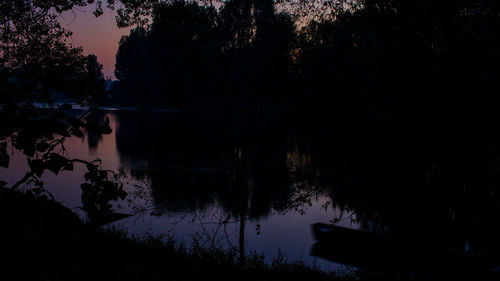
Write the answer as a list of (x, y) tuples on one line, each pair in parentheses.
[(383, 58), (240, 52)]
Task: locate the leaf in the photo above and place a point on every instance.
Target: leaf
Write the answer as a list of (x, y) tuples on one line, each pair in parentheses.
[(36, 166), (103, 175), (91, 167), (3, 183), (42, 146), (56, 163), (69, 167), (91, 176)]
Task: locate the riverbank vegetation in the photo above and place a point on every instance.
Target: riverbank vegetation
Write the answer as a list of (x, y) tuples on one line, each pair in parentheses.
[(42, 240)]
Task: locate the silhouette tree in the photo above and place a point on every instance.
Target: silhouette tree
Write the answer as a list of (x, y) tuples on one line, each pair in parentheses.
[(131, 68), (174, 61), (38, 64)]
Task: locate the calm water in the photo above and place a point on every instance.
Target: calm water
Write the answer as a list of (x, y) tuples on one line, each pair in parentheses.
[(194, 177), (421, 204)]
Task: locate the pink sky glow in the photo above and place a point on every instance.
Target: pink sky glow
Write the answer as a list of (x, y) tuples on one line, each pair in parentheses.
[(99, 36)]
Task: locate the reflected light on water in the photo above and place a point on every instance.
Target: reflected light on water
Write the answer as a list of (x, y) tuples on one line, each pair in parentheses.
[(287, 230)]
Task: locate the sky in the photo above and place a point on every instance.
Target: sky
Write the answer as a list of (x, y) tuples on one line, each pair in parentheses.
[(99, 36)]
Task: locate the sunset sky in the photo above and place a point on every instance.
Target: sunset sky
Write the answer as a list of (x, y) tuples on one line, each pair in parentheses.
[(98, 36)]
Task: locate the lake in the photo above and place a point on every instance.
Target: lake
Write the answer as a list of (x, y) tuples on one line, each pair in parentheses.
[(189, 178), (249, 183)]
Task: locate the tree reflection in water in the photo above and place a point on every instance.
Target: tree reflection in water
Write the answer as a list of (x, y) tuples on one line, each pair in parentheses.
[(388, 185), (242, 174)]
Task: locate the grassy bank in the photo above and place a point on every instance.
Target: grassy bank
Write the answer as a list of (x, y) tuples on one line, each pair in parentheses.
[(43, 240)]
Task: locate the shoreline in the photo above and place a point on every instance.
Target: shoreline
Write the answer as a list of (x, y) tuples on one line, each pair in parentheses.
[(43, 240)]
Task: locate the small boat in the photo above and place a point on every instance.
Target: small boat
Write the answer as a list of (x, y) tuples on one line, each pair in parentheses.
[(322, 231), (349, 246), (384, 255)]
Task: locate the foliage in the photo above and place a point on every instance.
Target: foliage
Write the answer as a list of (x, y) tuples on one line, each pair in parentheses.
[(39, 66), (179, 55), (194, 53)]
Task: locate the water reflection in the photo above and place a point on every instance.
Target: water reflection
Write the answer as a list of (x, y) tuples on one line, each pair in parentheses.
[(426, 207), (200, 159), (403, 187), (247, 170)]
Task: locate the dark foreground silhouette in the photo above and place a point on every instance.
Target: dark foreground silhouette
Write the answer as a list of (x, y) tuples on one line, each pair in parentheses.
[(42, 240)]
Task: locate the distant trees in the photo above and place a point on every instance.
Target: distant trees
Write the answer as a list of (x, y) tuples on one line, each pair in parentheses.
[(257, 42), (366, 58), (94, 80), (195, 53), (130, 63), (173, 61)]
